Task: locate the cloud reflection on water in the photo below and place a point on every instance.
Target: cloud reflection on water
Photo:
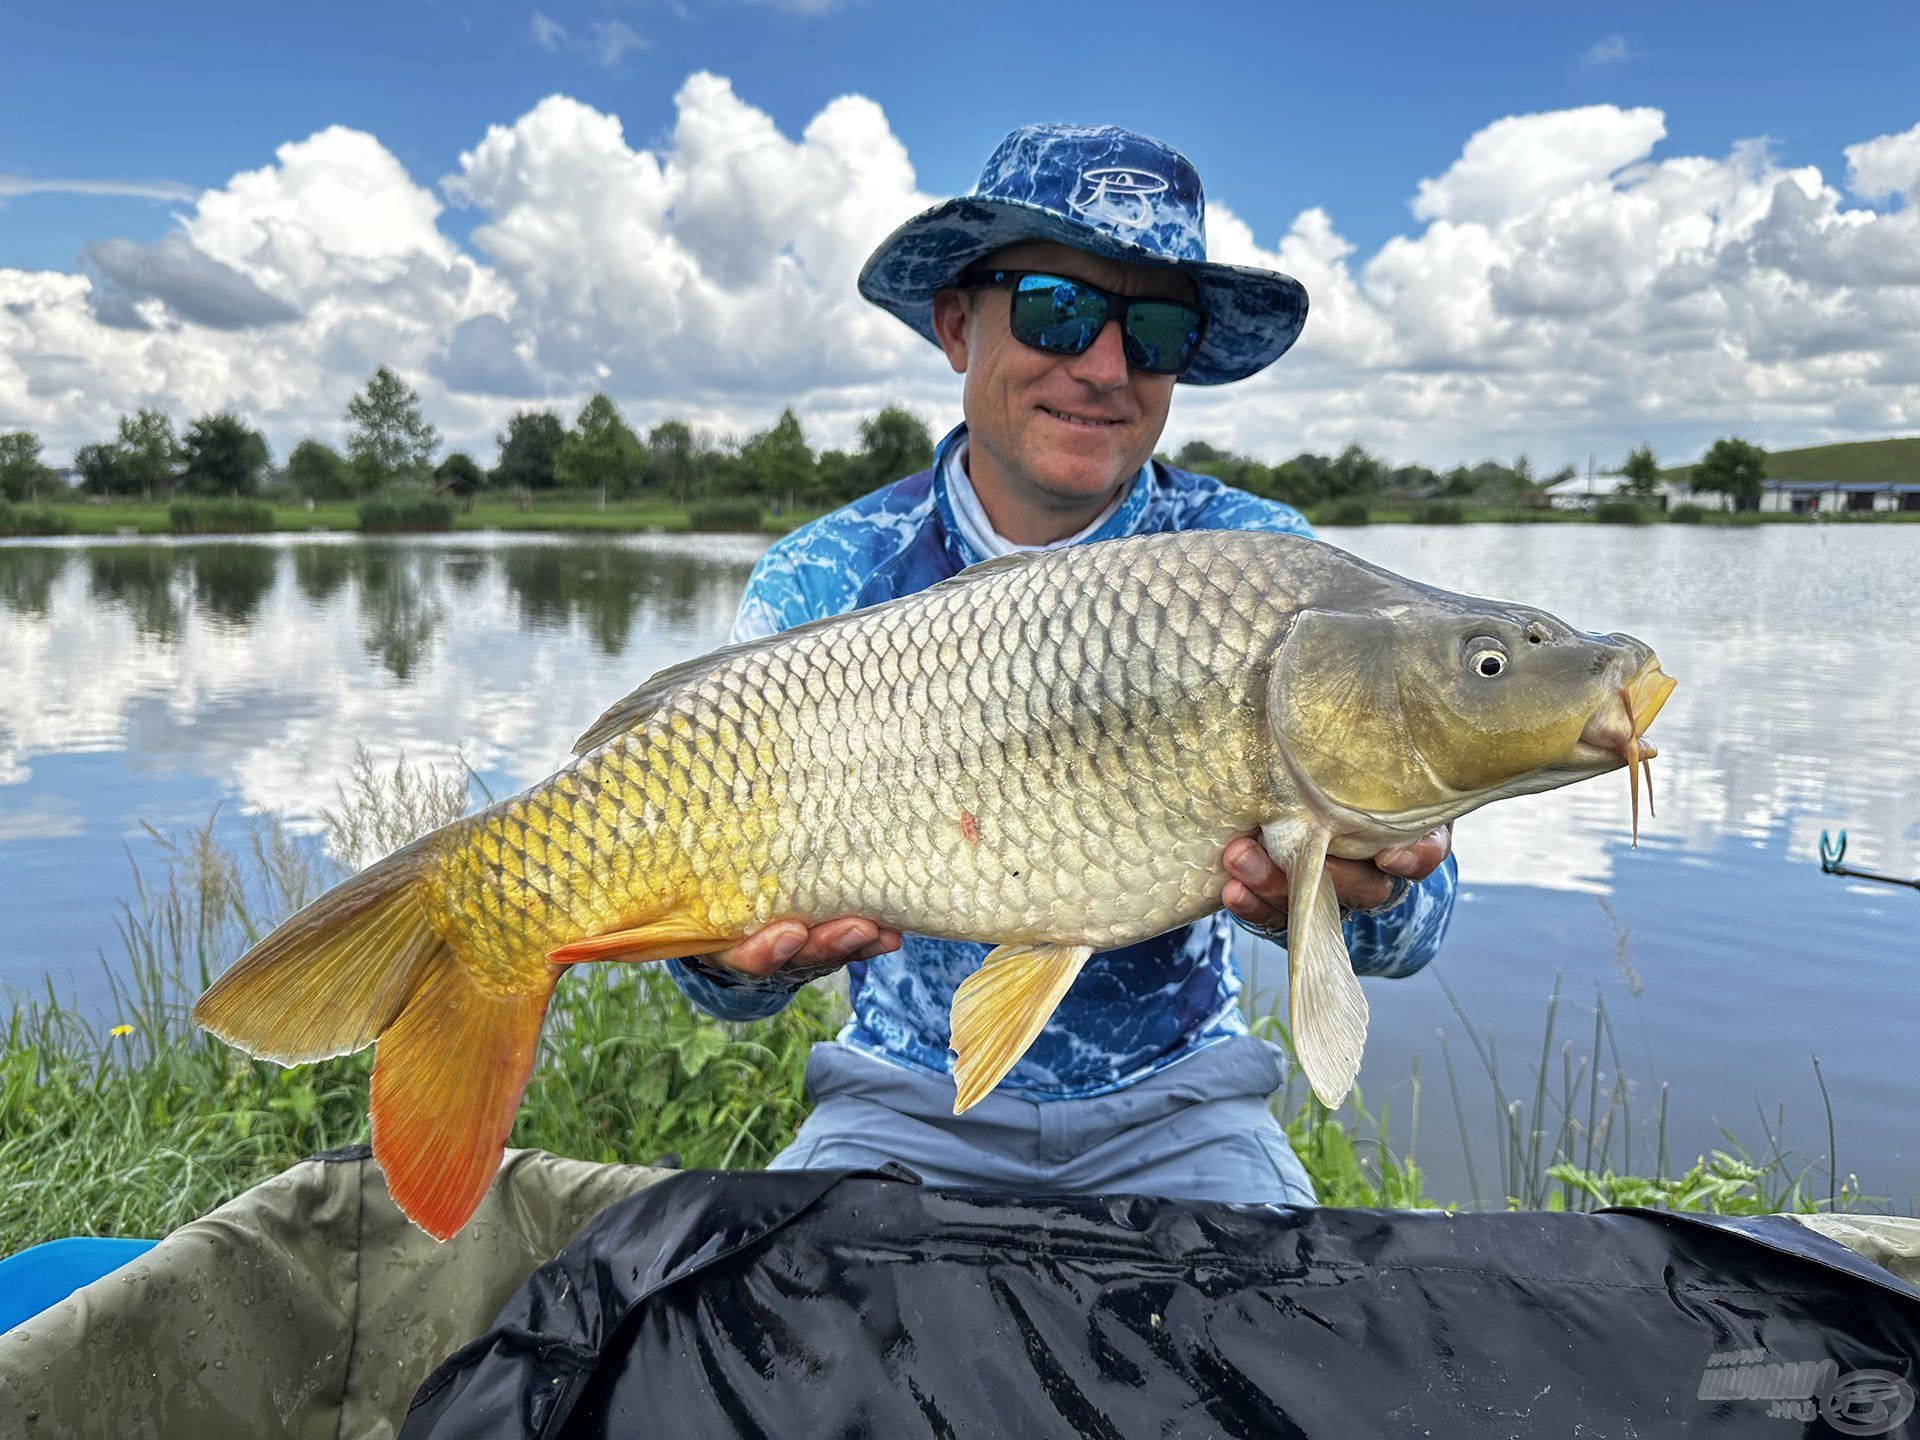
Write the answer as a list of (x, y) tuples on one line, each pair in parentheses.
[(152, 681)]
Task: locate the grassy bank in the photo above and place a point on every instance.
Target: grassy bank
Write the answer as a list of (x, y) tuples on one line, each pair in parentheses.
[(134, 1122), (571, 511), (561, 511)]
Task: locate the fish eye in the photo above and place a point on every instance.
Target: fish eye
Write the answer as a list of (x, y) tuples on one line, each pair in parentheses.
[(1486, 657)]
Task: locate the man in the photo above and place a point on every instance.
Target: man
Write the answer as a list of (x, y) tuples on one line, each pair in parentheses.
[(1071, 290)]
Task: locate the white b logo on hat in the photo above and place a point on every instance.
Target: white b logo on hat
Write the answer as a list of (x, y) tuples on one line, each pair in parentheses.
[(1118, 195)]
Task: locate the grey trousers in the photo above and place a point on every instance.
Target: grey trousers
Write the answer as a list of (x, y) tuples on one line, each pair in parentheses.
[(1198, 1130)]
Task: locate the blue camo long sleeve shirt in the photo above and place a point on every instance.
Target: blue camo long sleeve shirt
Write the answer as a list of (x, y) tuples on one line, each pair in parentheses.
[(1133, 1011)]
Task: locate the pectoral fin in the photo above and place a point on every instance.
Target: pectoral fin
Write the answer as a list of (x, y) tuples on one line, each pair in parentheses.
[(1326, 1008), (1001, 1008), (665, 937)]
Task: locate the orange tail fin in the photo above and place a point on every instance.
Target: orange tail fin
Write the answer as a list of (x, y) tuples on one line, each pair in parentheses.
[(447, 1080), (362, 963), (329, 980)]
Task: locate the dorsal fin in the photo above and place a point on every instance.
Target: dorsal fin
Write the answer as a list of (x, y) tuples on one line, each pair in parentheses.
[(656, 688), (986, 569)]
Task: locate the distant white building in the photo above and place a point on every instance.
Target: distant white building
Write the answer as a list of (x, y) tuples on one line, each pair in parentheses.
[(1812, 497), (1583, 492), (1798, 497)]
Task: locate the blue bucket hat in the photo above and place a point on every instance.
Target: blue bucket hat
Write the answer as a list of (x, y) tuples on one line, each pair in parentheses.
[(1109, 192)]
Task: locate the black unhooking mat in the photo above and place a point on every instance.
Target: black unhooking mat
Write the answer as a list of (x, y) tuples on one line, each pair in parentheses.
[(859, 1303)]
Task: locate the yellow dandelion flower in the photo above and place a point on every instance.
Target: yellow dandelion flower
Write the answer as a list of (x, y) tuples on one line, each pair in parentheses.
[(121, 1030)]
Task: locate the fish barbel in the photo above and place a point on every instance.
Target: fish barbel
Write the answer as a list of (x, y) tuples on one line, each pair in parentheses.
[(1048, 752)]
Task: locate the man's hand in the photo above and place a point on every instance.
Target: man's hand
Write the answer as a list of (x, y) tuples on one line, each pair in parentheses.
[(789, 943), (1257, 893)]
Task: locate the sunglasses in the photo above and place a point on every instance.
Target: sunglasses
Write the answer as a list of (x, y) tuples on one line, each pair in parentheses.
[(1064, 316)]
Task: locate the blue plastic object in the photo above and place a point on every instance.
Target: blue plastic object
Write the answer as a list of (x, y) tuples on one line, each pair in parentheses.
[(46, 1274)]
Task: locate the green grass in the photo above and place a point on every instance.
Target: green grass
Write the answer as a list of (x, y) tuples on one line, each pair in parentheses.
[(1620, 512), (219, 517), (33, 520), (559, 511), (1853, 462), (738, 513), (132, 1123), (136, 1123), (396, 513), (578, 513)]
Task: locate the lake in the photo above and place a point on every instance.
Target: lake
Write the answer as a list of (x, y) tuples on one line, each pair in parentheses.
[(146, 683)]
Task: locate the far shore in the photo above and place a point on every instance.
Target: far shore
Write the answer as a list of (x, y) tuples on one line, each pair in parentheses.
[(577, 513)]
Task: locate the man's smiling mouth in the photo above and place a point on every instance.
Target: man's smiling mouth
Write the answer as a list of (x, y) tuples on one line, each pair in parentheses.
[(1091, 422)]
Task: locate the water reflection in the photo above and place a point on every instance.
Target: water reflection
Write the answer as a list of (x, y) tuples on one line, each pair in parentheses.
[(27, 576), (603, 587), (152, 681), (230, 581), (144, 582), (320, 570), (400, 606)]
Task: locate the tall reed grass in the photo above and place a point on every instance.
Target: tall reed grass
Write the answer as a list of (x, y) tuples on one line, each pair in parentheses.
[(132, 1122)]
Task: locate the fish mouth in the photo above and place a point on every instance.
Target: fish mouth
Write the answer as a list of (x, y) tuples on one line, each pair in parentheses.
[(1613, 735)]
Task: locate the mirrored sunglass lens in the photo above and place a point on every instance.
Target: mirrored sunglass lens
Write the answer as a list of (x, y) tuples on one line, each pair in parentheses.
[(1162, 338), (1056, 314)]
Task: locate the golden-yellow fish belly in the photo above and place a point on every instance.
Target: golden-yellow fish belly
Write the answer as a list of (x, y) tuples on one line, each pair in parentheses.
[(978, 760)]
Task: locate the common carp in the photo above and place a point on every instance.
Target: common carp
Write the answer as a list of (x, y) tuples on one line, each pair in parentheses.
[(1048, 752)]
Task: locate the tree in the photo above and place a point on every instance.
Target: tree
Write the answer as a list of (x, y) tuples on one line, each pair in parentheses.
[(529, 450), (671, 450), (391, 440), (320, 472), (1642, 473), (103, 470), (459, 474), (778, 461), (21, 472), (148, 451), (895, 443), (1201, 458), (838, 477), (1295, 481), (601, 451), (224, 455), (1733, 467), (1354, 472)]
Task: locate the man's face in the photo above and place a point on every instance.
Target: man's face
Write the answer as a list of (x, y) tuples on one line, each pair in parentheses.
[(1064, 429)]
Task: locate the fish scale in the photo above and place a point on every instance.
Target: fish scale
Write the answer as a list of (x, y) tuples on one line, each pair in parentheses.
[(1128, 755), (1050, 751)]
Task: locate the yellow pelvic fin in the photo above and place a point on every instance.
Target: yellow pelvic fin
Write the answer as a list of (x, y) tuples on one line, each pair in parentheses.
[(666, 937), (331, 978), (1001, 1008), (447, 1078), (1326, 1009)]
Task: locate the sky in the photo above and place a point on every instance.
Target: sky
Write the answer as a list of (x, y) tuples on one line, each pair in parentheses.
[(1551, 229)]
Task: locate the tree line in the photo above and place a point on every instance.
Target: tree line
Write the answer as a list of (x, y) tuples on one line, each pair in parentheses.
[(1732, 466), (391, 444)]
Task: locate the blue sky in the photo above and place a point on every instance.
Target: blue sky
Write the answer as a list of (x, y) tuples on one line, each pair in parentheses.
[(1345, 109), (1283, 106)]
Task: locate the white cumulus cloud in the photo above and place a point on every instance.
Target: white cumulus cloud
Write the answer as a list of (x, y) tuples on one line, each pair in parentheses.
[(1569, 282), (1886, 166)]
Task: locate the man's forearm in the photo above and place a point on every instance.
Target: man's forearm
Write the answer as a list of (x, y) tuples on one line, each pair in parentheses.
[(727, 996), (1398, 942)]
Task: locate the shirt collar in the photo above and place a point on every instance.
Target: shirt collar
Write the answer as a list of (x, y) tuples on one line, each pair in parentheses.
[(970, 536)]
